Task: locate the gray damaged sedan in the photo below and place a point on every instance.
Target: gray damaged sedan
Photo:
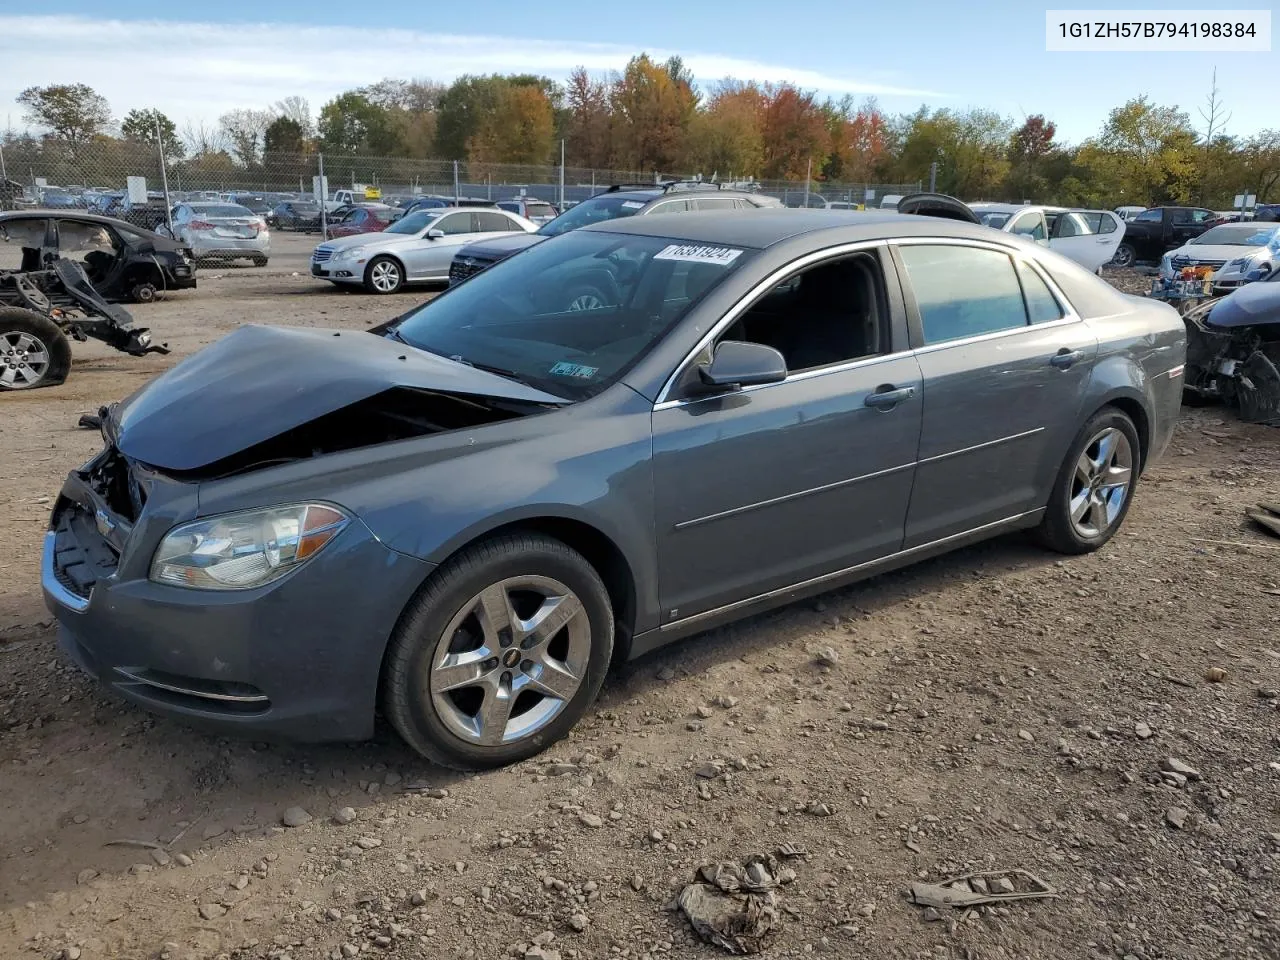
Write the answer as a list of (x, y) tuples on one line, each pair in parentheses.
[(464, 519)]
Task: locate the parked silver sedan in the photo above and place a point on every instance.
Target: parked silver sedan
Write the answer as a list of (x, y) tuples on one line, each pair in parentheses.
[(417, 248), (221, 231)]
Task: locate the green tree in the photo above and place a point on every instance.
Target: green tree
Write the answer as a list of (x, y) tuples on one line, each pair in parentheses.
[(351, 123), (139, 126), (471, 100), (725, 137), (1147, 153), (283, 135), (72, 112)]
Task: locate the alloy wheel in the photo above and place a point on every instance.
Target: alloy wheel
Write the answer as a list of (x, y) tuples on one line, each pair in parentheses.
[(586, 301), (1101, 483), (385, 276), (510, 660), (24, 360)]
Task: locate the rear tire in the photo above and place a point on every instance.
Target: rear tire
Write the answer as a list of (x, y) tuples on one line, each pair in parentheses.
[(1125, 256), (259, 261), (1089, 502), (448, 717), (143, 292), (34, 352)]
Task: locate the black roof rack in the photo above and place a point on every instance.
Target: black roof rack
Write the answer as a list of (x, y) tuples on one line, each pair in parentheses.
[(664, 185)]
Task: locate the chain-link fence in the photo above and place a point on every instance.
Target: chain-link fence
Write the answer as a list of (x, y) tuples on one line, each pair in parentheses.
[(95, 176)]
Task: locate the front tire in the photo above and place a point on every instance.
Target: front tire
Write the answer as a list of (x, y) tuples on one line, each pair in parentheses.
[(144, 292), (383, 275), (500, 654), (34, 352), (1095, 485)]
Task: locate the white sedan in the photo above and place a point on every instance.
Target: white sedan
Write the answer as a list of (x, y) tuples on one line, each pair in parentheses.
[(417, 248), (1237, 252)]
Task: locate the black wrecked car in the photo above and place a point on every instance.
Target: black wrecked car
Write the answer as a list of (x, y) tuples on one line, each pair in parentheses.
[(122, 262), (1233, 350)]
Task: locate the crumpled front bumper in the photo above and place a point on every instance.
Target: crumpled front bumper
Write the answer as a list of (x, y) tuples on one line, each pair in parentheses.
[(298, 658)]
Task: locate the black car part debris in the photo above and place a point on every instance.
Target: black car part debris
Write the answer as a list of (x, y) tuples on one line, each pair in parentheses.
[(975, 889), (1233, 351), (40, 310), (1267, 516)]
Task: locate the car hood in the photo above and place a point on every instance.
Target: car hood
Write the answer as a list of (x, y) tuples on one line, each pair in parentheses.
[(376, 237), (260, 382), (500, 247), (1255, 304), (1213, 251)]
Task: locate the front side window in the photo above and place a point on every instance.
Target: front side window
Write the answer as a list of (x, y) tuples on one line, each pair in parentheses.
[(1148, 216), (455, 223), (827, 314), (571, 315), (963, 292), (669, 206), (415, 222)]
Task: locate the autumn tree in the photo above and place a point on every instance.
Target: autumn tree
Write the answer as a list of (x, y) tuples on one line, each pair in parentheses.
[(519, 129), (586, 126), (73, 112), (860, 140), (139, 126), (793, 132), (725, 137), (652, 106), (470, 101), (1030, 147)]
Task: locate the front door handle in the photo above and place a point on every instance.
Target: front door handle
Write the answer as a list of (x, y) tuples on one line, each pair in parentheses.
[(887, 397), (1065, 358)]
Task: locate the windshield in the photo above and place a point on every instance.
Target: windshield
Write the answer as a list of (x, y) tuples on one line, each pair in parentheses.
[(257, 206), (414, 222), (221, 210), (571, 315), (1238, 235), (595, 210)]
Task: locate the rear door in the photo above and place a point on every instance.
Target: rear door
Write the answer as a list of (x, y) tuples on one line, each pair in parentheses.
[(1005, 363), (1075, 235)]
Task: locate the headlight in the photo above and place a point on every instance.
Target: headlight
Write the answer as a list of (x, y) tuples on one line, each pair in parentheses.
[(351, 253), (242, 550), (1238, 262)]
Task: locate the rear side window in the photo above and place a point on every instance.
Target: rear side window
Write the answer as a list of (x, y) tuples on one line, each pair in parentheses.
[(963, 291), (1029, 225), (1042, 306), (539, 210), (513, 207), (494, 222), (1087, 294), (715, 203)]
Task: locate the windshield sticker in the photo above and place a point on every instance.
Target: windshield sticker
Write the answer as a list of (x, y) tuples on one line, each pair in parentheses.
[(566, 369), (631, 204), (696, 253)]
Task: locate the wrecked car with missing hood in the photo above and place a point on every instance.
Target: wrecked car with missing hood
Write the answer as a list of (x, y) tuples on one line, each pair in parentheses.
[(465, 519), (42, 311), (1233, 350)]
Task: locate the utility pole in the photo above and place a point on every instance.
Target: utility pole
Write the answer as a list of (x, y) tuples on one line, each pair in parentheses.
[(164, 174), (933, 176), (808, 172), (456, 195), (323, 191), (562, 173)]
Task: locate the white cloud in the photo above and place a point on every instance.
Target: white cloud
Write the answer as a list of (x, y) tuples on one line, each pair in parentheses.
[(197, 71)]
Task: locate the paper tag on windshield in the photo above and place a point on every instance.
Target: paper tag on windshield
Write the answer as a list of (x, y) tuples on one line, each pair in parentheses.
[(697, 253), (631, 204)]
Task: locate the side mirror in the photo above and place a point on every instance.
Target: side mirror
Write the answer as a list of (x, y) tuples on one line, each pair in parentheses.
[(739, 364), (435, 234)]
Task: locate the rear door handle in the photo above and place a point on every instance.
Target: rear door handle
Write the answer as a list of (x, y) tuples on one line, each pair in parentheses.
[(887, 397), (1065, 358)]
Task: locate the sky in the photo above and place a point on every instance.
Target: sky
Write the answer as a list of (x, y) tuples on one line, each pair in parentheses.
[(196, 61)]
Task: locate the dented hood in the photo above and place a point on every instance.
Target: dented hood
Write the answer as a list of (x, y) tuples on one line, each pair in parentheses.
[(1255, 304), (260, 382)]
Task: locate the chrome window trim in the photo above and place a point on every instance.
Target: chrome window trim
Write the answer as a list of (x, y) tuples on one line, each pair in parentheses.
[(1071, 316), (664, 400)]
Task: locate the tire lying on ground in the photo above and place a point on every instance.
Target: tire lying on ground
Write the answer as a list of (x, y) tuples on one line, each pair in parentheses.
[(34, 352)]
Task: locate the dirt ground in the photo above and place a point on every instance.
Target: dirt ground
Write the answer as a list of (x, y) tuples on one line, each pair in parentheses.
[(998, 708)]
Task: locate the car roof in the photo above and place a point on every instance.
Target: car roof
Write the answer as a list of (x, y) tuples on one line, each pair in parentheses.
[(770, 225)]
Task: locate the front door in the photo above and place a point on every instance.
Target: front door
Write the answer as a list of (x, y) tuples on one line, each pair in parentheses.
[(429, 259), (1005, 365), (770, 486)]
